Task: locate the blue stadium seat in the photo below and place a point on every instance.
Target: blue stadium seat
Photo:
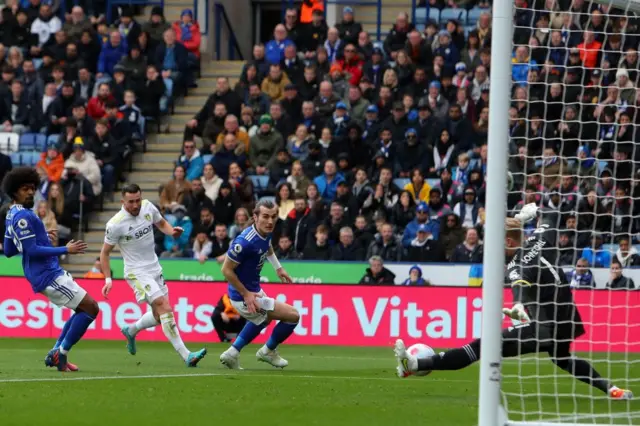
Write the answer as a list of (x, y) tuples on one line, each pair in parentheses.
[(421, 14), (260, 183), (433, 182), (54, 139), (610, 247), (30, 158), (41, 142), (28, 142), (468, 29), (207, 158), (16, 159), (601, 166), (434, 15), (401, 182), (459, 15), (474, 15)]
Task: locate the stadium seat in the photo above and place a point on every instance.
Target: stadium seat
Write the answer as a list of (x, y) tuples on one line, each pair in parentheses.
[(468, 29), (16, 159), (9, 142), (601, 166), (28, 142), (421, 14), (207, 158), (41, 142), (433, 182), (459, 15), (260, 183), (53, 139), (434, 15), (30, 158), (401, 182), (474, 15)]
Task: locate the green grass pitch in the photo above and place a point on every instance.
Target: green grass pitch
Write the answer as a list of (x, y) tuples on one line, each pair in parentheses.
[(330, 386)]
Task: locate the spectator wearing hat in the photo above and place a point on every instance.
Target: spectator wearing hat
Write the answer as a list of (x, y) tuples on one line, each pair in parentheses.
[(292, 103), (227, 202), (274, 84), (128, 27), (188, 33), (377, 274), (157, 24), (626, 88), (375, 68), (108, 154), (177, 246), (134, 66), (437, 102), (314, 163), (264, 145), (424, 248), (348, 28), (339, 121), (61, 108), (397, 123), (422, 218), (85, 164), (313, 35), (119, 128), (617, 281), (438, 204), (371, 125), (468, 209), (412, 155), (52, 163)]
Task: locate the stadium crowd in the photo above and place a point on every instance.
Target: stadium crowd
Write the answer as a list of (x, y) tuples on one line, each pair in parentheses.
[(77, 92), (374, 150)]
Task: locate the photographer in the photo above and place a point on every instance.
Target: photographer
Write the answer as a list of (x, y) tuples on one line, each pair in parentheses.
[(225, 319)]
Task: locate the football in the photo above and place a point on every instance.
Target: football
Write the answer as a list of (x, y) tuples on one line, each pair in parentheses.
[(421, 351)]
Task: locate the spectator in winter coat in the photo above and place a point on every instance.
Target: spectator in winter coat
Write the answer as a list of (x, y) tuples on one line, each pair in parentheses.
[(188, 33), (422, 217), (595, 254), (626, 254), (470, 251), (285, 249), (52, 163), (318, 248), (581, 276), (211, 182), (176, 247), (110, 55), (377, 274), (617, 280), (385, 245), (415, 277), (15, 110), (447, 50), (327, 183), (45, 25), (274, 49), (424, 248), (298, 224), (346, 248), (412, 155), (351, 64), (397, 36), (172, 58), (468, 208), (230, 153), (157, 24), (275, 83), (264, 145), (191, 160), (84, 162), (96, 105), (348, 28), (522, 64)]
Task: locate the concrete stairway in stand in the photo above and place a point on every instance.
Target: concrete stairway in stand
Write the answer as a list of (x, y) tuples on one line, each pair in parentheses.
[(154, 167)]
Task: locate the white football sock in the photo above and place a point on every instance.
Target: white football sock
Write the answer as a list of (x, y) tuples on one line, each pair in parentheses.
[(145, 321), (170, 330)]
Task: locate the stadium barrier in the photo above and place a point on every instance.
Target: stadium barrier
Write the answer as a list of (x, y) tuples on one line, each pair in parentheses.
[(330, 314), (440, 274)]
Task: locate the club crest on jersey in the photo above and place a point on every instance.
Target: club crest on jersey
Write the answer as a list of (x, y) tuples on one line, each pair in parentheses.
[(22, 224), (514, 276), (237, 248), (147, 217)]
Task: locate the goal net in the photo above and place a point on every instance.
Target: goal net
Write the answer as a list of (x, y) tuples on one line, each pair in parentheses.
[(573, 150)]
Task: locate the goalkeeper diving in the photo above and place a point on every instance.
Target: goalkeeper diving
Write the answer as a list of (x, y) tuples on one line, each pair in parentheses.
[(543, 304)]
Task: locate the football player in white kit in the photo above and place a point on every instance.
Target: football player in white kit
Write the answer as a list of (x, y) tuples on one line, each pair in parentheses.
[(132, 229)]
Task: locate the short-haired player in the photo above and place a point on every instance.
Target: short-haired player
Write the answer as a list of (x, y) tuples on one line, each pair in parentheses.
[(132, 229), (26, 234), (242, 265)]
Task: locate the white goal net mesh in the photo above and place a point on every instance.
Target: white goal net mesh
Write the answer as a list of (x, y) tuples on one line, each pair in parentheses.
[(573, 126)]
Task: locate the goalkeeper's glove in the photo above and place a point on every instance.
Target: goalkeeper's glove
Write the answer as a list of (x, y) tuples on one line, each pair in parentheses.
[(517, 312), (527, 213)]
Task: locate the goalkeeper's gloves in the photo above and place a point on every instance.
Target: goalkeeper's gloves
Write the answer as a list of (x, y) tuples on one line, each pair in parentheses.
[(528, 212), (517, 312)]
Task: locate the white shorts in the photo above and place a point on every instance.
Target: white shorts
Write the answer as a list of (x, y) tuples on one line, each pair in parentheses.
[(266, 303), (64, 291), (147, 285)]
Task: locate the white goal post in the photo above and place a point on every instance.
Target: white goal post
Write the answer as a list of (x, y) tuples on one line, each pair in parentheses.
[(571, 404)]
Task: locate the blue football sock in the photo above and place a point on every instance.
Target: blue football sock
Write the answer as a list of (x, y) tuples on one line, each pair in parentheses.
[(64, 331), (280, 333), (246, 336), (78, 327)]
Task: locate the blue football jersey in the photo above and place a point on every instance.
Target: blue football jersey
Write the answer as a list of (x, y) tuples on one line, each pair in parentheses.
[(23, 224), (249, 251)]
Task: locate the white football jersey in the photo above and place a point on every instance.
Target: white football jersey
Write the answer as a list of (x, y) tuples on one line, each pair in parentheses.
[(134, 235)]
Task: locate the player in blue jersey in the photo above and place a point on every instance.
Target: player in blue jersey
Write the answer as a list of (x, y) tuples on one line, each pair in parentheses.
[(26, 234), (241, 268)]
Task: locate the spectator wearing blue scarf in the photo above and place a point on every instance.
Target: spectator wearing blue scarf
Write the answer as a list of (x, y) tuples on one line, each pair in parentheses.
[(415, 277), (581, 276)]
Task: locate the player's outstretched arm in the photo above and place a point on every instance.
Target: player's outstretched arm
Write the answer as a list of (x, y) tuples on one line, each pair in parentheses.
[(229, 272), (273, 260), (30, 248), (105, 263), (166, 228)]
